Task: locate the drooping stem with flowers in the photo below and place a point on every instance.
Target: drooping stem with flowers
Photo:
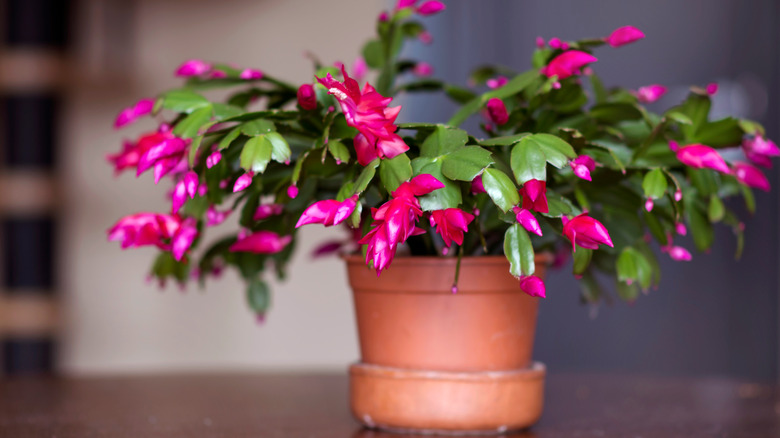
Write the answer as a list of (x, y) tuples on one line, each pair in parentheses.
[(560, 164)]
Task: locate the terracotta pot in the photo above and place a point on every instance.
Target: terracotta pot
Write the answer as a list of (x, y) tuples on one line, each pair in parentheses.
[(432, 360)]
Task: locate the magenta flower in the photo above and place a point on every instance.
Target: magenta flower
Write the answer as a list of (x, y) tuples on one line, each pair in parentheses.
[(193, 67), (243, 181), (396, 220), (217, 74), (431, 7), (425, 37), (527, 219), (540, 42), (712, 88), (451, 223), (533, 286), (650, 93), (422, 69), (164, 156), (359, 68), (680, 228), (168, 233), (649, 204), (131, 152), (758, 150), (261, 242), (267, 210), (585, 231), (702, 157), (368, 112), (583, 166), (328, 212), (215, 217), (186, 187), (677, 253), (497, 111), (624, 35), (251, 74), (555, 43), (497, 82), (213, 159), (678, 195), (307, 98), (568, 64), (292, 191), (750, 176), (130, 114), (183, 237), (534, 193), (477, 186)]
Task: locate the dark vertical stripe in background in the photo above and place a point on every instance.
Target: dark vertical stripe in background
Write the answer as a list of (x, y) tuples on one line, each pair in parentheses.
[(28, 141)]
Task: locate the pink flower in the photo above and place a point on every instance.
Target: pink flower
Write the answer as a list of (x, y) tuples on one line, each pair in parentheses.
[(568, 64), (583, 166), (650, 93), (251, 74), (539, 42), (328, 212), (451, 223), (396, 220), (759, 150), (431, 7), (267, 210), (217, 74), (677, 253), (368, 112), (680, 228), (193, 67), (673, 146), (168, 233), (712, 88), (307, 98), (477, 186), (534, 193), (649, 204), (422, 69), (164, 156), (678, 195), (497, 82), (383, 16), (186, 187), (624, 35), (292, 191), (213, 159), (400, 4), (215, 217), (243, 182), (702, 157), (533, 286), (585, 231), (425, 37), (261, 242), (130, 114), (359, 68), (750, 176), (555, 43), (131, 152), (497, 111), (527, 220)]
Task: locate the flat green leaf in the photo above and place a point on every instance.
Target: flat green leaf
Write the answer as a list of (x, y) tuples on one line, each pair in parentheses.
[(190, 125), (519, 251), (257, 127), (339, 152), (632, 266), (582, 260), (528, 161), (654, 184), (258, 296), (194, 149), (750, 200), (366, 175), (500, 188), (374, 54), (447, 197), (678, 117), (443, 141), (184, 101), (700, 227), (466, 163), (627, 292), (458, 94), (598, 89), (224, 111), (514, 86), (503, 141), (656, 228), (557, 151), (723, 132), (256, 154), (280, 150), (229, 138), (394, 171), (716, 209), (615, 112)]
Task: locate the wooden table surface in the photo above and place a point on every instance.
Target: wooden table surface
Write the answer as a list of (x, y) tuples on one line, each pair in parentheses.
[(290, 405)]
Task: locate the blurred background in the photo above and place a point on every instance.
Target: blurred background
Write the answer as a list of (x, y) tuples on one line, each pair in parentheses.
[(73, 302)]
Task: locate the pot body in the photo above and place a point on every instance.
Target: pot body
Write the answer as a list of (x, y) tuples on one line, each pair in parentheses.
[(409, 317), (434, 361)]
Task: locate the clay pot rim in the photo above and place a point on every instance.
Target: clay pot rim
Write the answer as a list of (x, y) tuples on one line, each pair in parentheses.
[(544, 258)]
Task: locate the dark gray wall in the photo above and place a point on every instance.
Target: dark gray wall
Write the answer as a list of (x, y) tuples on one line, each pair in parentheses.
[(713, 315)]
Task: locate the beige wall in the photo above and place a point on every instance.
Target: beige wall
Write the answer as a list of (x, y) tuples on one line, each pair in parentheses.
[(117, 322)]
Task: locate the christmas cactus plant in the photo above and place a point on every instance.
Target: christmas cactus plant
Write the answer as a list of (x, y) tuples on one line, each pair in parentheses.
[(560, 164)]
